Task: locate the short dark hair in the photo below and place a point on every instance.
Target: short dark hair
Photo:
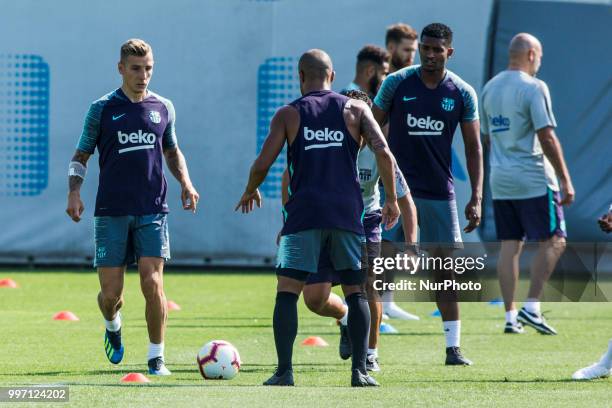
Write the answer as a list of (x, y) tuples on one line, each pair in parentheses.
[(397, 32), (357, 94), (372, 53), (438, 30)]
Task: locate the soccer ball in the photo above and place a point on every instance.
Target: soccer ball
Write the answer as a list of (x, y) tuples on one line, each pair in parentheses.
[(218, 360)]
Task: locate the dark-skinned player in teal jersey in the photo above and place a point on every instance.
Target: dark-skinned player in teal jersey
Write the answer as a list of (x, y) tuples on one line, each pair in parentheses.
[(424, 104), (323, 131)]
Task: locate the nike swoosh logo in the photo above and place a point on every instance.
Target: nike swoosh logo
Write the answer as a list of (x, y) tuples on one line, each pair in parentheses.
[(118, 116), (409, 99)]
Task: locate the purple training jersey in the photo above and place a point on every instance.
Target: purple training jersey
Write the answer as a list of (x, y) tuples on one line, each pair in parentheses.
[(324, 188), (130, 137), (422, 122)]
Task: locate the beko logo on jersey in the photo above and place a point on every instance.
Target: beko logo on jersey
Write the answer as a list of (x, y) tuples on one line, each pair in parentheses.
[(501, 123), (146, 140), (427, 126), (333, 137)]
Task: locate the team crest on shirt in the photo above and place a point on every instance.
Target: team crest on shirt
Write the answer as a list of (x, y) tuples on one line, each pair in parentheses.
[(448, 104), (155, 116)]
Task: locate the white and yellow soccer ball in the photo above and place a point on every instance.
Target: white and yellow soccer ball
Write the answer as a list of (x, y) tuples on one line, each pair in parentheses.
[(218, 360)]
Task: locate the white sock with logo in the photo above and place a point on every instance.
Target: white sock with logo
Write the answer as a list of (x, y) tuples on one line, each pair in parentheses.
[(452, 333), (387, 296), (373, 352), (344, 320), (532, 305), (606, 359), (155, 350), (511, 316), (113, 325)]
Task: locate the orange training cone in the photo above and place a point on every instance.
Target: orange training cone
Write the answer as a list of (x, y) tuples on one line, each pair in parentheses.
[(172, 305), (314, 341), (8, 283), (65, 315), (135, 378)]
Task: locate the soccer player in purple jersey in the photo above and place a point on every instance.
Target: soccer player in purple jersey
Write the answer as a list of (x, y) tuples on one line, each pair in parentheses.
[(323, 131), (401, 41), (602, 368), (132, 128), (425, 104)]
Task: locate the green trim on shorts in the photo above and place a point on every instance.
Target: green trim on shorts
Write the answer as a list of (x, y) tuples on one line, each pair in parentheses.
[(551, 209)]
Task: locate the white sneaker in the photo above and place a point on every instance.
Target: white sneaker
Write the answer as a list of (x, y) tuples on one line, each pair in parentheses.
[(385, 316), (396, 312), (591, 372)]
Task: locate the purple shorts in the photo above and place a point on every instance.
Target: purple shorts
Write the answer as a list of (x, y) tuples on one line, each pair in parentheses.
[(536, 219), (327, 273)]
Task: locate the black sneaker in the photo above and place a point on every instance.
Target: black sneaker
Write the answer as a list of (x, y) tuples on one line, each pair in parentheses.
[(454, 357), (514, 328), (359, 379), (372, 363), (286, 379), (536, 321), (345, 347)]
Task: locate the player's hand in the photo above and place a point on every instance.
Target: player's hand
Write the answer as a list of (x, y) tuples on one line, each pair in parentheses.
[(248, 200), (567, 192), (472, 214), (278, 237), (75, 206), (390, 214), (605, 222), (411, 251), (189, 197)]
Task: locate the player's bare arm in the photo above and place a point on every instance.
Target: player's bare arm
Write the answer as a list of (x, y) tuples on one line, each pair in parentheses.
[(76, 175), (473, 155), (175, 160), (284, 119), (380, 116), (554, 153), (370, 130)]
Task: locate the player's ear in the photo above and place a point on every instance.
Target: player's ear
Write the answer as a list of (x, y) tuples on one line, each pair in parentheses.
[(120, 67), (301, 76), (371, 71), (450, 51), (332, 77)]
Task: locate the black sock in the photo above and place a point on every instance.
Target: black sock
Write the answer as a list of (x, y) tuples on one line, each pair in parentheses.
[(359, 328), (285, 323)]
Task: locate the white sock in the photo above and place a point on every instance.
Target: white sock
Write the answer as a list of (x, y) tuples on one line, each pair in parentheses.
[(511, 316), (452, 333), (113, 325), (606, 359), (387, 296), (373, 352), (155, 350), (532, 305), (344, 320)]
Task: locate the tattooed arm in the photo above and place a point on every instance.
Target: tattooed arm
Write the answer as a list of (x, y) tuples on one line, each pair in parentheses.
[(175, 160), (75, 206), (385, 162)]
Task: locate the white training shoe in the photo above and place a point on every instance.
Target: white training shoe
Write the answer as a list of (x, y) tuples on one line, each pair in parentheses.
[(591, 372), (396, 312)]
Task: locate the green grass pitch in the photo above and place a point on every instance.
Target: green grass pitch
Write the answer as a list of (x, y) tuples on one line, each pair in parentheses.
[(509, 371)]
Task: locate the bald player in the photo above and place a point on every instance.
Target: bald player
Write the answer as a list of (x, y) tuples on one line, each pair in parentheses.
[(526, 160), (323, 131)]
